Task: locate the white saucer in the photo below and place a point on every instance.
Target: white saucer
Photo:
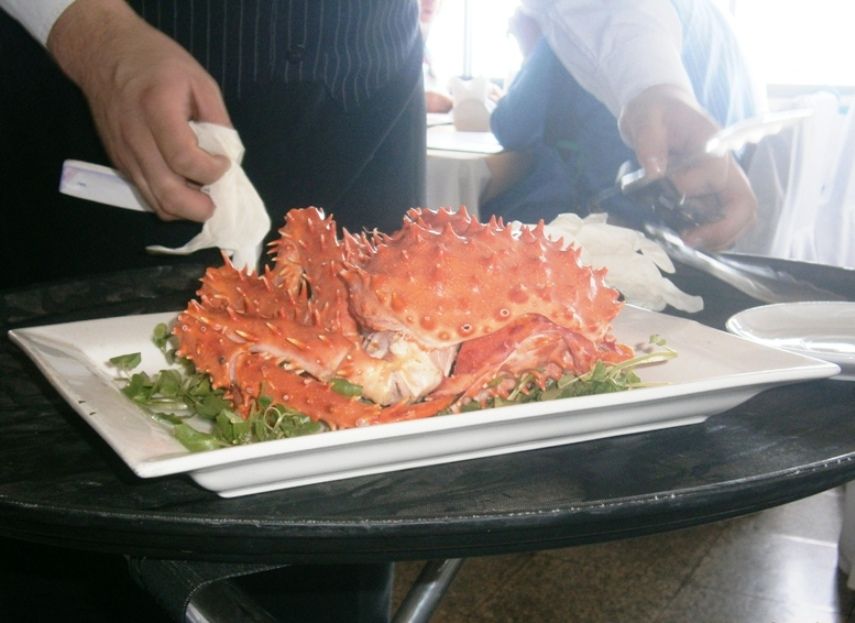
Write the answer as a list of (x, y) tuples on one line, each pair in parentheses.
[(825, 330)]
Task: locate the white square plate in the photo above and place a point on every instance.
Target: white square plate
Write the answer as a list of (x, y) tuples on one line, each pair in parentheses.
[(713, 372)]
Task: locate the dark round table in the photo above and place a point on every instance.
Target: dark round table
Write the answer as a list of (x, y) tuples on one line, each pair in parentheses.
[(61, 484)]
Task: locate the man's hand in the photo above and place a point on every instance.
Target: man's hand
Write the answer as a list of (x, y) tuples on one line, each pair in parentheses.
[(143, 89), (664, 123)]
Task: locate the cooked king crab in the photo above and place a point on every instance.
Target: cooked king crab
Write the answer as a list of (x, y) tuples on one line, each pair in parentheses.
[(420, 319)]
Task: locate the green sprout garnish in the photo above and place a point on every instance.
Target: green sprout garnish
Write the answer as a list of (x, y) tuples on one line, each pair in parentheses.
[(175, 396), (345, 387), (126, 362), (603, 378), (203, 419)]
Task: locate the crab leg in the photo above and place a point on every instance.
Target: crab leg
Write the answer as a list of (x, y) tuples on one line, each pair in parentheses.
[(256, 376)]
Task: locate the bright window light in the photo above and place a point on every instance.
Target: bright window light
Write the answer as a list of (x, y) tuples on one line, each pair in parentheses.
[(470, 38), (798, 42), (804, 43)]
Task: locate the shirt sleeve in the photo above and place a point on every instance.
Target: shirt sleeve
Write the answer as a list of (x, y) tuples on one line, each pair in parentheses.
[(37, 16), (615, 48)]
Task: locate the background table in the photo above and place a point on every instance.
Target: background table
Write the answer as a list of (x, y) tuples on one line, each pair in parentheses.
[(455, 178), (457, 167), (60, 484)]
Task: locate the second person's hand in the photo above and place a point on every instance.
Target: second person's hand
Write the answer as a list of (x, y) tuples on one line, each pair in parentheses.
[(663, 123)]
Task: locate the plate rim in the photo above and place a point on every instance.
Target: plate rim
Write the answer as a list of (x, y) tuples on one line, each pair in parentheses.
[(809, 368), (735, 325)]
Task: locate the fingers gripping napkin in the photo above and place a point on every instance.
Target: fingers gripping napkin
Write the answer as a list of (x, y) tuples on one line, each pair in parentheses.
[(240, 222)]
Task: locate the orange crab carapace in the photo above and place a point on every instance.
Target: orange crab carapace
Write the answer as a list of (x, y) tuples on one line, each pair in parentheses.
[(440, 313)]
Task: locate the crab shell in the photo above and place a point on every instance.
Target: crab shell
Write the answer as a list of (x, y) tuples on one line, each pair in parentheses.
[(445, 278)]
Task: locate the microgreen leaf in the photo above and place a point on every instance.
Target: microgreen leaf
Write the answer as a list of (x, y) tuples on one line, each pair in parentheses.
[(345, 387), (195, 440), (161, 336), (126, 362), (657, 340)]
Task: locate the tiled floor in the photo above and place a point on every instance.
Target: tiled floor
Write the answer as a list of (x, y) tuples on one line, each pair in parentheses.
[(778, 566)]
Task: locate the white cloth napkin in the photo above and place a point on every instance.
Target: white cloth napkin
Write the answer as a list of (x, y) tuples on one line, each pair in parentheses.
[(240, 222), (634, 262)]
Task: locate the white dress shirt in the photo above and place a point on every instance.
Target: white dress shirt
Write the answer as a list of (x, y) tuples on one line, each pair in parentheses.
[(615, 48), (37, 16)]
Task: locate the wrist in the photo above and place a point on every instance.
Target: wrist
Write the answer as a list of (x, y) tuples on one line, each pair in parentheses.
[(84, 31)]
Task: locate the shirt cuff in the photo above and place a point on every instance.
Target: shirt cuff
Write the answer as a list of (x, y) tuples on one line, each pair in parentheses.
[(38, 17)]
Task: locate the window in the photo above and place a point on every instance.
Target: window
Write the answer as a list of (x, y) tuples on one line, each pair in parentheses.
[(794, 44), (470, 38), (797, 43)]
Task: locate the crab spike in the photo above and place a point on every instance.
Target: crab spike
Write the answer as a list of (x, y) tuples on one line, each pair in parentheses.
[(273, 328), (528, 236), (265, 279), (295, 342)]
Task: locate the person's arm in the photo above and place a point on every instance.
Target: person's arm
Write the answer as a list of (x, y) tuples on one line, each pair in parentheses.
[(143, 89), (601, 42), (627, 53)]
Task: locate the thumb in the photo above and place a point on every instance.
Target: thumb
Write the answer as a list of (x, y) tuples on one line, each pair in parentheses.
[(649, 141)]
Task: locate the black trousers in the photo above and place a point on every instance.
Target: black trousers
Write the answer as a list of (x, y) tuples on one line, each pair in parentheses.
[(365, 166)]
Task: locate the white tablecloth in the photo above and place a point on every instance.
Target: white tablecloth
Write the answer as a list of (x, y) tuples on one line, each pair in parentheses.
[(457, 171), (455, 179)]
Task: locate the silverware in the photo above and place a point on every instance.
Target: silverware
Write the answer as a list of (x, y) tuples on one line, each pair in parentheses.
[(95, 182), (664, 211), (760, 282), (657, 197), (732, 138)]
